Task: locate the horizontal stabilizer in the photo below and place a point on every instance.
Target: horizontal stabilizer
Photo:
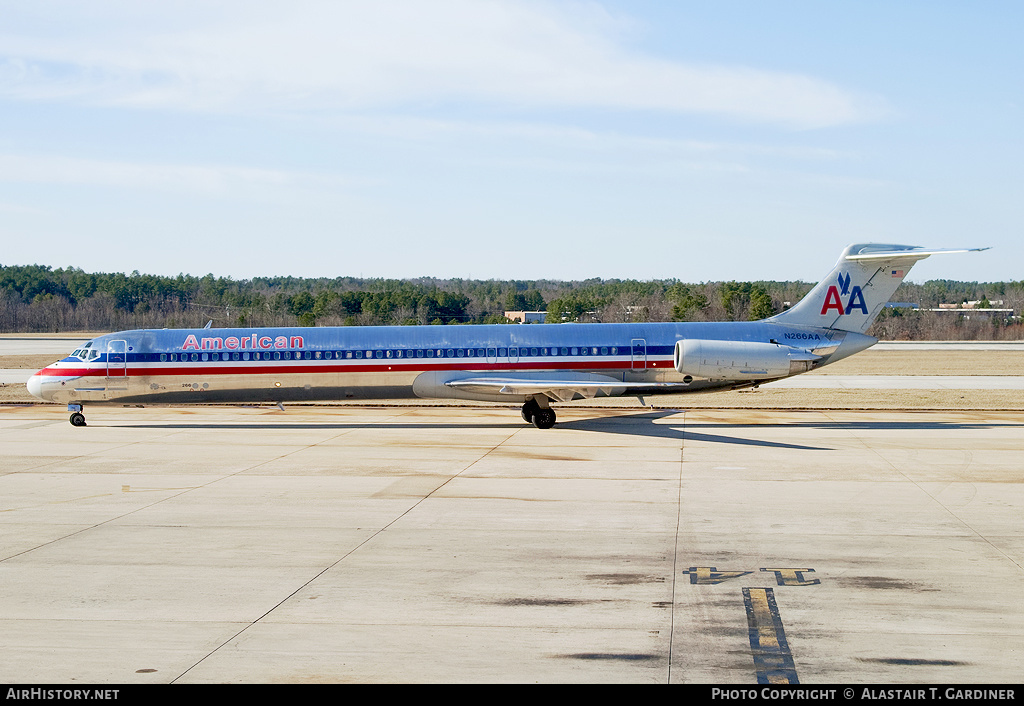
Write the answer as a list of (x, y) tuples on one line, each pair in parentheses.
[(907, 253)]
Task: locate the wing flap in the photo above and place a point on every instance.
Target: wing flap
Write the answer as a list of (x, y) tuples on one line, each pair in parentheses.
[(561, 390)]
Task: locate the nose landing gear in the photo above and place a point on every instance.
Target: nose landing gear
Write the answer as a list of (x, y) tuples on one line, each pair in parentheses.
[(77, 419)]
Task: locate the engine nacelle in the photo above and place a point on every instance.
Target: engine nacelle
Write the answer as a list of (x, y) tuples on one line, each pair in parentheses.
[(740, 360)]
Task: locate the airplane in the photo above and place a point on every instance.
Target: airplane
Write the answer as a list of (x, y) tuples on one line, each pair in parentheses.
[(533, 365)]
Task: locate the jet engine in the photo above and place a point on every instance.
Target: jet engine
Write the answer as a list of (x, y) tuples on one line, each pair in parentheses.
[(740, 360)]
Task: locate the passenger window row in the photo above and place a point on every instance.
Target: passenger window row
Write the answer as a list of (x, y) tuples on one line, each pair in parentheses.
[(501, 353)]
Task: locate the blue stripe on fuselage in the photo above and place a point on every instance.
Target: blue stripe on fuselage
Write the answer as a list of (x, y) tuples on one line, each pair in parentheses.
[(660, 337), (502, 344)]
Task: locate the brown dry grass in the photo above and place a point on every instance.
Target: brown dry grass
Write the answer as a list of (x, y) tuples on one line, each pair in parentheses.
[(34, 362)]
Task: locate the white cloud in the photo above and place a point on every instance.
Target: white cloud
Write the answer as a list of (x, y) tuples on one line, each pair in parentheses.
[(191, 178), (342, 56)]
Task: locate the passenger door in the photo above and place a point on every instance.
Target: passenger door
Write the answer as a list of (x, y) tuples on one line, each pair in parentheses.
[(638, 354), (117, 365)]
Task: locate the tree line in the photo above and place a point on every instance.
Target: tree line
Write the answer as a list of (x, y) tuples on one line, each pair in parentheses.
[(35, 298)]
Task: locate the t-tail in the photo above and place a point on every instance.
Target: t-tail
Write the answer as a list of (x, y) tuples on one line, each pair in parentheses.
[(858, 287)]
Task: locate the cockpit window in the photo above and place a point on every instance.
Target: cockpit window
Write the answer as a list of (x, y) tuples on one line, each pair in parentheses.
[(84, 353)]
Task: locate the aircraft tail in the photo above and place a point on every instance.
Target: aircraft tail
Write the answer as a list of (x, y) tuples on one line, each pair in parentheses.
[(858, 287)]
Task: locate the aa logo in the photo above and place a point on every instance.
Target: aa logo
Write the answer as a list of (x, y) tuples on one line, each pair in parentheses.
[(855, 297), (844, 282)]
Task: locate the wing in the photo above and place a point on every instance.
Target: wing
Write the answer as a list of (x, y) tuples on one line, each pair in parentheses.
[(562, 388)]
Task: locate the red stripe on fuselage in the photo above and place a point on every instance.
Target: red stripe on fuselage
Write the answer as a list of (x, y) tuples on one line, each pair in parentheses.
[(276, 367)]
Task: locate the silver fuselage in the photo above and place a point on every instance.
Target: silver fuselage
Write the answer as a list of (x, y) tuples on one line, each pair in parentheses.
[(188, 366)]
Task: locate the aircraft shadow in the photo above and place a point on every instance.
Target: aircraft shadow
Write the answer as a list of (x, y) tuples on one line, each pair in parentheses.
[(871, 425), (642, 424), (340, 426)]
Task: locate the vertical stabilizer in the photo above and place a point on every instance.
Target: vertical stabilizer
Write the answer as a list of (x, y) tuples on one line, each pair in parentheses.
[(858, 287)]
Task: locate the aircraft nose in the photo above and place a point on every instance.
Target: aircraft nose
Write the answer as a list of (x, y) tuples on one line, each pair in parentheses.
[(35, 386)]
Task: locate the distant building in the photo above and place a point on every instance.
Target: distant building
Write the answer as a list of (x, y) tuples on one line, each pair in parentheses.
[(969, 309), (966, 309), (527, 317)]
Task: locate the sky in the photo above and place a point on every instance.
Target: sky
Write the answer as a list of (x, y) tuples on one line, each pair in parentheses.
[(510, 139)]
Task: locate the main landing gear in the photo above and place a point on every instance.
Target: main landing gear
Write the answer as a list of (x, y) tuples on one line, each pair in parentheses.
[(539, 414), (77, 419)]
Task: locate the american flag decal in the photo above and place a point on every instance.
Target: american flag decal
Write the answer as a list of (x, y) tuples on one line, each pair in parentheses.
[(897, 273)]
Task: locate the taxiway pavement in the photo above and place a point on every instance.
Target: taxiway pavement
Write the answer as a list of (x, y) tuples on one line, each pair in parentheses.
[(347, 544)]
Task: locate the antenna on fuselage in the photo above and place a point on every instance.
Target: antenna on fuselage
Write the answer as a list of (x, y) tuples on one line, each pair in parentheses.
[(209, 324)]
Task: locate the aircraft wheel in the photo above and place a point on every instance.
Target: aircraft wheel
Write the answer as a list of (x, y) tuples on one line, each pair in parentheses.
[(78, 419), (544, 418), (530, 408)]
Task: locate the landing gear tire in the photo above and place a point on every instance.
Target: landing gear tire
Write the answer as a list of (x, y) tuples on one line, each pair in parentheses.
[(544, 418), (77, 419), (530, 409)]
